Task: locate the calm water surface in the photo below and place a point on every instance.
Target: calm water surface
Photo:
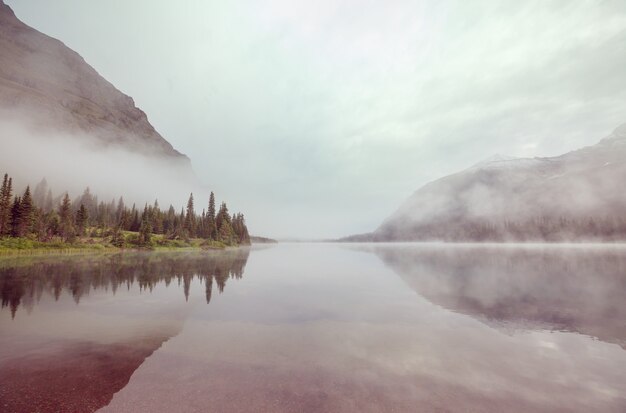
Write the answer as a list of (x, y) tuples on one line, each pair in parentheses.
[(317, 328)]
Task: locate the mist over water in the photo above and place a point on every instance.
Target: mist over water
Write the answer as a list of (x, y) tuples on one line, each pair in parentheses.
[(325, 327)]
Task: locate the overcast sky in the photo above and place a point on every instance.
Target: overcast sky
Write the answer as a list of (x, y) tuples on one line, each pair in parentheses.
[(318, 118)]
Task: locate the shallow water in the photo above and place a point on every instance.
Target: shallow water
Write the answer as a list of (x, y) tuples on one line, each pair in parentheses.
[(317, 328)]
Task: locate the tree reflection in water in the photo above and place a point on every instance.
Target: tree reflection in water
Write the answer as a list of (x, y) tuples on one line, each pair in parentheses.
[(68, 364), (24, 280)]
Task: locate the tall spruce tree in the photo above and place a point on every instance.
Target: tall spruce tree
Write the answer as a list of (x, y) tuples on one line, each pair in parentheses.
[(16, 213), (5, 206), (190, 218), (145, 229), (65, 216), (22, 215), (211, 225)]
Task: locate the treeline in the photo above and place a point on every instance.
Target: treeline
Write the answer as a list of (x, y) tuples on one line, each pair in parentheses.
[(541, 229), (41, 216)]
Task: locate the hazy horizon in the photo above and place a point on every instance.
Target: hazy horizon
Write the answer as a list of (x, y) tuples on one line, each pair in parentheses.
[(318, 119)]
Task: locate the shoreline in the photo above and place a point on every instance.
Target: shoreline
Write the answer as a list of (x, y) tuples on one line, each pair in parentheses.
[(103, 249)]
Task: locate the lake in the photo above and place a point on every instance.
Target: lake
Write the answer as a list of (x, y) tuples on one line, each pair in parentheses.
[(317, 328)]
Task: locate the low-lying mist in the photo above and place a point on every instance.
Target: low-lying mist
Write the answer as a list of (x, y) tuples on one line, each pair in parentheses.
[(73, 162)]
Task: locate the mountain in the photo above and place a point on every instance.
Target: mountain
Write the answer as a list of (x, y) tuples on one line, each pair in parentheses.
[(575, 196), (48, 88)]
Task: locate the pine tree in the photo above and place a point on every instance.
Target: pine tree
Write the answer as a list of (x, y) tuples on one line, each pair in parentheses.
[(224, 227), (240, 229), (5, 206), (157, 218), (202, 225), (23, 215), (181, 232), (169, 222), (81, 219), (65, 216), (211, 225), (135, 222), (190, 218), (16, 213), (145, 229)]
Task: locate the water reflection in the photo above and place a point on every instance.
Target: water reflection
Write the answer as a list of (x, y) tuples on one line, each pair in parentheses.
[(65, 357), (577, 289), (24, 280), (321, 328)]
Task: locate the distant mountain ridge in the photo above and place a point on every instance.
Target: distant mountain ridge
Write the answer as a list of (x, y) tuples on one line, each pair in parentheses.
[(58, 91), (578, 195)]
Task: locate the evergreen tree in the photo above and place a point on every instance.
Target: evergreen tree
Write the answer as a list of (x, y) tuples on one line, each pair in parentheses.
[(224, 227), (240, 229), (34, 214), (22, 215), (145, 229), (65, 217), (190, 218), (181, 231), (211, 225), (135, 221), (5, 206), (28, 212), (201, 231), (169, 222), (81, 219), (157, 218), (16, 212)]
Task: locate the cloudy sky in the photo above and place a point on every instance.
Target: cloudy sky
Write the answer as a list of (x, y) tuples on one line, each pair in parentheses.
[(318, 118)]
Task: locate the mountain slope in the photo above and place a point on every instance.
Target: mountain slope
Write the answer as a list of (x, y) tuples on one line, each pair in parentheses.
[(50, 88), (573, 196)]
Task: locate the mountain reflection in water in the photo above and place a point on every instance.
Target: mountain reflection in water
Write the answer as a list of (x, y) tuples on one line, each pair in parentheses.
[(579, 289), (81, 367)]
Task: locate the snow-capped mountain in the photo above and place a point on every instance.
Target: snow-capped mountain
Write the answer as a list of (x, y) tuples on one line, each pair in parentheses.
[(576, 195)]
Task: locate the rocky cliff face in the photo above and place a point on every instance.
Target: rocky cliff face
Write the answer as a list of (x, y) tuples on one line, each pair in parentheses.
[(578, 194), (50, 88)]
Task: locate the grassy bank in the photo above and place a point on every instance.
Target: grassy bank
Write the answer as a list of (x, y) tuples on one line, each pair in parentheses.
[(26, 246)]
